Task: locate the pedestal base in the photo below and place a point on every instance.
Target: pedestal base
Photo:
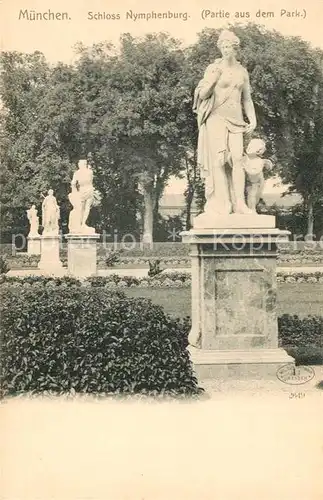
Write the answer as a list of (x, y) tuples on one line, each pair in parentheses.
[(49, 255), (234, 315), (33, 245), (254, 364), (81, 254), (234, 221)]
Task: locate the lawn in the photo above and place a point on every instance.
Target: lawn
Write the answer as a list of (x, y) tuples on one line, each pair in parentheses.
[(293, 298)]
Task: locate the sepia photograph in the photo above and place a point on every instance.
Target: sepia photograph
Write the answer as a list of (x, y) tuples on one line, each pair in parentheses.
[(161, 250)]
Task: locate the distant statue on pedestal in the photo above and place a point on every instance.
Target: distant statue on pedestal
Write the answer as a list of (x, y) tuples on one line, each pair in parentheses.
[(219, 101), (82, 198), (33, 219), (50, 214), (253, 164)]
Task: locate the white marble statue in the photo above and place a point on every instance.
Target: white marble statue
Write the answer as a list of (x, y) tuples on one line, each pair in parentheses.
[(74, 220), (219, 101), (50, 214), (33, 219), (254, 165), (82, 199)]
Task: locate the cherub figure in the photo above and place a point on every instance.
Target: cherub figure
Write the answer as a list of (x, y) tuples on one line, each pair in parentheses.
[(254, 165)]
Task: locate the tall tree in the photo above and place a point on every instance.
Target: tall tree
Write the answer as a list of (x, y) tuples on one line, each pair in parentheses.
[(149, 114), (23, 83)]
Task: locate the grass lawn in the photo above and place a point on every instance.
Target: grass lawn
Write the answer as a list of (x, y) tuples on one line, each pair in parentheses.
[(293, 298)]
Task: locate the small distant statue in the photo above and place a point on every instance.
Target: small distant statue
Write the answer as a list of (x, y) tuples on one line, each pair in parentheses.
[(33, 219), (254, 165), (50, 214), (82, 198)]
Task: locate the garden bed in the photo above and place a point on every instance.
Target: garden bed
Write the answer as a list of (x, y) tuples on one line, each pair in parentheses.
[(169, 254), (62, 335)]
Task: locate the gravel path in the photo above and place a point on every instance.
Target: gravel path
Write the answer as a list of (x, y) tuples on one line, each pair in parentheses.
[(244, 441)]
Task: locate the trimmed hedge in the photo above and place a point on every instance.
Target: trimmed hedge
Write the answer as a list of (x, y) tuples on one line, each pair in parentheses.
[(170, 254), (164, 279), (24, 261), (300, 332), (302, 338), (61, 337), (90, 340)]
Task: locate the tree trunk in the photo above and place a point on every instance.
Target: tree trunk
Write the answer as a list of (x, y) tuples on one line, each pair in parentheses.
[(148, 221), (310, 218), (189, 201)]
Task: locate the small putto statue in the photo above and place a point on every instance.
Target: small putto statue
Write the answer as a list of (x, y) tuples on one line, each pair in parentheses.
[(254, 165), (82, 197), (50, 214), (33, 219)]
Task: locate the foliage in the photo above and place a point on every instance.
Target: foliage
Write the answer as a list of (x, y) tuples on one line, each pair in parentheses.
[(300, 331), (168, 229), (41, 280), (302, 337), (37, 136), (90, 340), (154, 268), (4, 266), (130, 113), (142, 91), (7, 249), (113, 257), (157, 249)]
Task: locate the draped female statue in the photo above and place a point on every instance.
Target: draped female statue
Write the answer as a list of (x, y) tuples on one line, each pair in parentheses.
[(219, 101), (33, 219), (50, 214)]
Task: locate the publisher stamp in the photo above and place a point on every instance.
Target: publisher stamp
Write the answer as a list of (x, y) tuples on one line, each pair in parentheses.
[(295, 375)]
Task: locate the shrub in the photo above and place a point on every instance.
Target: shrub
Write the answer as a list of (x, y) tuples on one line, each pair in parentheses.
[(90, 340), (177, 275), (4, 266), (154, 267), (7, 249), (157, 249), (300, 332), (113, 257), (42, 280), (302, 338)]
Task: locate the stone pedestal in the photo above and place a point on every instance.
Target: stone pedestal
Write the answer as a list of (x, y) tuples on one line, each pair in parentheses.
[(234, 324), (81, 254), (33, 245), (49, 254)]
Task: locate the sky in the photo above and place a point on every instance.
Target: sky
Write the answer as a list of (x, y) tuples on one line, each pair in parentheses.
[(57, 38)]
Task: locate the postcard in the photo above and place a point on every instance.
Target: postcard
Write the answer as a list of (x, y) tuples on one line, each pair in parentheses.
[(161, 253)]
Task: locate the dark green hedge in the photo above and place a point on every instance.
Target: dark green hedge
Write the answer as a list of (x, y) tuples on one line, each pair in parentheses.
[(94, 340), (300, 332), (90, 340), (302, 338), (96, 281)]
